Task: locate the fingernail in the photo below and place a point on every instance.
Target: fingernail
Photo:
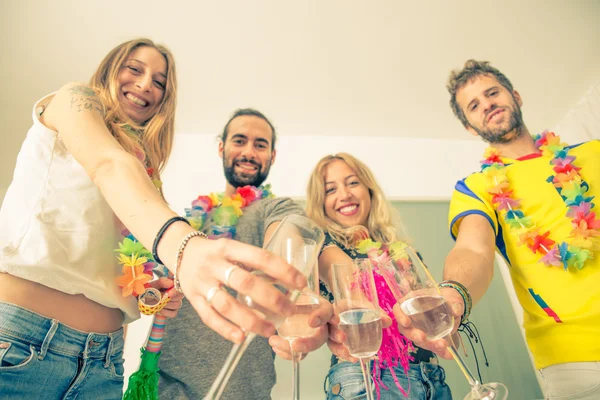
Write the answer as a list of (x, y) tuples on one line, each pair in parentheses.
[(317, 322), (440, 346), (237, 336)]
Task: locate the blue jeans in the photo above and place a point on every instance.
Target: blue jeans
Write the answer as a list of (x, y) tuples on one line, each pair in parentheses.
[(41, 358), (345, 382)]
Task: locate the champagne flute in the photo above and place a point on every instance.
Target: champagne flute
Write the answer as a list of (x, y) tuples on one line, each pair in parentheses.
[(355, 301), (293, 241), (421, 300), (296, 326)]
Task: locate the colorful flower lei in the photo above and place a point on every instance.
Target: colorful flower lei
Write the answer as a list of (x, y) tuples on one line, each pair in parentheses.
[(395, 347), (137, 262), (226, 210), (571, 187)]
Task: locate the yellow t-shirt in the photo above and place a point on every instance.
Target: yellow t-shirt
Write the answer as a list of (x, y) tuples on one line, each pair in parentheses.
[(561, 308)]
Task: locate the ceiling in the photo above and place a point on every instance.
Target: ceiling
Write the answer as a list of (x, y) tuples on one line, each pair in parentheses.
[(316, 67)]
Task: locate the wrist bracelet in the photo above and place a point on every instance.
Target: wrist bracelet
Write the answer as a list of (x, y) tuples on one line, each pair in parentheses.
[(160, 234), (179, 256), (464, 293)]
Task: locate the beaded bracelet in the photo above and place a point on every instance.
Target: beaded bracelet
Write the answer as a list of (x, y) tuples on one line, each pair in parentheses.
[(160, 234), (179, 256), (464, 293)]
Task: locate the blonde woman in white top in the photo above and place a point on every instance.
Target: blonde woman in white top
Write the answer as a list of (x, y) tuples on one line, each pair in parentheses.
[(85, 171)]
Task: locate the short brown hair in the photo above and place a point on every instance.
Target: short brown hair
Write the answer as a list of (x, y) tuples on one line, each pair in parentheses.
[(472, 69)]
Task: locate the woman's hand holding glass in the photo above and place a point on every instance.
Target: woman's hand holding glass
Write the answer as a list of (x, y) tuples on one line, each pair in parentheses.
[(209, 264), (318, 320)]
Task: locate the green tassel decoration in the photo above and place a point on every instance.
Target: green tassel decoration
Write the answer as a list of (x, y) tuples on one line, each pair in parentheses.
[(143, 384)]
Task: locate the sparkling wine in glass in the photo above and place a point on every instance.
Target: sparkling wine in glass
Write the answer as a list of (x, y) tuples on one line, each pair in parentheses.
[(355, 301), (421, 300), (297, 240), (296, 326)]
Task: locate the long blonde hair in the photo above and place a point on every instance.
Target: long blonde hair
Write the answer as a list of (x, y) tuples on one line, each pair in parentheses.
[(156, 139), (382, 221)]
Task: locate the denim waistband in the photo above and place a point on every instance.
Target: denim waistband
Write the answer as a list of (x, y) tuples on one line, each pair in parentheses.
[(421, 356), (50, 335), (423, 371)]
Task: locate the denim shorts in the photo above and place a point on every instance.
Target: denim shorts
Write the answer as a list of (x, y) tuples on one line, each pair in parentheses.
[(41, 358), (427, 382)]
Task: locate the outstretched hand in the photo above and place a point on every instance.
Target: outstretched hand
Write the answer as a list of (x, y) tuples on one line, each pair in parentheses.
[(319, 320), (419, 338), (207, 265), (337, 338)]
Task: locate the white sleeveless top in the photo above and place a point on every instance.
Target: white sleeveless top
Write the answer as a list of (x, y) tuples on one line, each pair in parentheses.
[(56, 228)]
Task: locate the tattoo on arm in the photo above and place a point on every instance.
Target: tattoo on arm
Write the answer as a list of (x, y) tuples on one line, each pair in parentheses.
[(84, 98)]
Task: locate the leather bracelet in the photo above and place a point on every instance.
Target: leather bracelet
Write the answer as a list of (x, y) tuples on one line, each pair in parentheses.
[(179, 256), (160, 234), (464, 293)]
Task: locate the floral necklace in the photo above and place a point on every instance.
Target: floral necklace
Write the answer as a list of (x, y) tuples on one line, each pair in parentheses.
[(137, 262), (577, 249), (226, 209), (395, 347)]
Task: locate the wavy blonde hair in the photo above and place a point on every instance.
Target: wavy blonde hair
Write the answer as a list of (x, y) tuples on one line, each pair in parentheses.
[(383, 224), (156, 139)]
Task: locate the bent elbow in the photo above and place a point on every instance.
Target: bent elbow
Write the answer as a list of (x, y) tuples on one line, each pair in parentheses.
[(116, 163)]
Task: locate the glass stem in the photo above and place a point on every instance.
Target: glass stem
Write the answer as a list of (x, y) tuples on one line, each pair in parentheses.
[(216, 390), (364, 366), (461, 363), (296, 372)]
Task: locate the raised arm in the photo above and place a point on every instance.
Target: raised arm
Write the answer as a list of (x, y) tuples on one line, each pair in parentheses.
[(76, 114), (471, 261)]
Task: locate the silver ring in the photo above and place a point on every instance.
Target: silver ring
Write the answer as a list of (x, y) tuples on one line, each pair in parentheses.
[(210, 295), (228, 274)]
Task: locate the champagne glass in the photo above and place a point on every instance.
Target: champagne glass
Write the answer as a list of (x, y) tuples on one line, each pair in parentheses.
[(355, 301), (296, 326), (421, 300), (297, 240)]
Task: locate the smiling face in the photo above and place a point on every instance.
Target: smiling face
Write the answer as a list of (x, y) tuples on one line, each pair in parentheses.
[(492, 111), (347, 199), (141, 83), (247, 152)]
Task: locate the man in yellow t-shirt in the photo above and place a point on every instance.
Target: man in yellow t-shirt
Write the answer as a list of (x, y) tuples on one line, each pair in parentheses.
[(533, 203)]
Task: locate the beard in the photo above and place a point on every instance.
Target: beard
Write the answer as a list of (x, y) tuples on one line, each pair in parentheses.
[(240, 179), (503, 134)]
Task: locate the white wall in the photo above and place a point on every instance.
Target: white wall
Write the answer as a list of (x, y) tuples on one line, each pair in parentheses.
[(406, 168), (334, 67)]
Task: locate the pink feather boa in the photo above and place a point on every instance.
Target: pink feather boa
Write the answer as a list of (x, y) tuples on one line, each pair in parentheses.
[(395, 347)]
